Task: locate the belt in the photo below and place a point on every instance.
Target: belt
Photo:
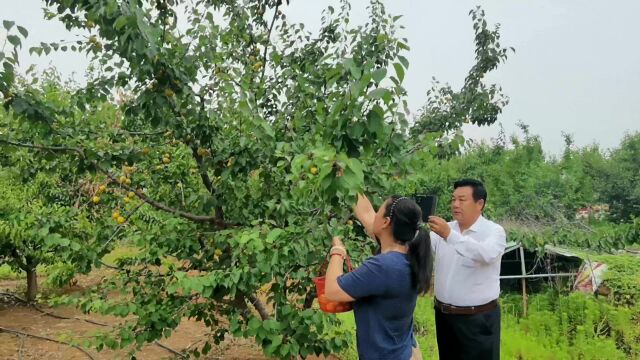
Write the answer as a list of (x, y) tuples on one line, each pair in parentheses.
[(465, 310)]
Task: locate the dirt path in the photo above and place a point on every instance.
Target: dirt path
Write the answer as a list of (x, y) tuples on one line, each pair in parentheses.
[(27, 319)]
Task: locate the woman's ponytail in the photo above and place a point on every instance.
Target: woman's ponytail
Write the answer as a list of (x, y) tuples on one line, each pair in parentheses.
[(420, 259)]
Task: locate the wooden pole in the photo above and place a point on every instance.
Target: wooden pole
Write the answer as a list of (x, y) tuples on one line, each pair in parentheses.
[(524, 282)]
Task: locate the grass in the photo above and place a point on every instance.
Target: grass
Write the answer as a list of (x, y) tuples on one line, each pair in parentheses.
[(558, 327), (6, 273), (120, 253)]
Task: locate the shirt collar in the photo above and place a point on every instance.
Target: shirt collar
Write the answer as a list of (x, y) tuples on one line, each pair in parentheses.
[(476, 225)]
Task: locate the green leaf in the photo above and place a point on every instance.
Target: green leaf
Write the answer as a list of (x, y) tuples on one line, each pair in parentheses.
[(284, 350), (8, 24), (404, 61), (378, 93), (273, 235), (271, 324), (206, 348), (35, 49), (56, 240), (375, 122), (276, 340), (403, 46), (356, 166), (379, 74), (399, 71), (14, 40), (356, 72), (254, 323), (120, 22), (23, 31)]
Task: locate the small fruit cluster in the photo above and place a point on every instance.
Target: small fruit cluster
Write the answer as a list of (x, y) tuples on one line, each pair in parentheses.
[(118, 217), (96, 198)]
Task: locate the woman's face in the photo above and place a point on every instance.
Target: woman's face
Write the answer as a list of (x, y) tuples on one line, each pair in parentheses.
[(382, 223)]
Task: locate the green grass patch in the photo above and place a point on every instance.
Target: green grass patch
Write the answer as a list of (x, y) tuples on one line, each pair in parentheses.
[(6, 273), (120, 252), (558, 326)]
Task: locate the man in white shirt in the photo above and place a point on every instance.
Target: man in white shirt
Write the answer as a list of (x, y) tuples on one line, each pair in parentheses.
[(467, 255)]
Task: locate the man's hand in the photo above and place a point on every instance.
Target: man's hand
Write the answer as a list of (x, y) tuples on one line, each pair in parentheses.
[(439, 226)]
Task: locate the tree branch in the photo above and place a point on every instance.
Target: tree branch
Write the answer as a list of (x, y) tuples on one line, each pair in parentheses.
[(259, 306), (203, 174), (309, 297), (42, 147), (18, 298), (56, 316), (266, 47), (16, 332), (197, 218), (141, 133), (175, 352), (18, 259)]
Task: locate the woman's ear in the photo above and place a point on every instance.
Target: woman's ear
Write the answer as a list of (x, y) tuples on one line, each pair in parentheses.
[(386, 222)]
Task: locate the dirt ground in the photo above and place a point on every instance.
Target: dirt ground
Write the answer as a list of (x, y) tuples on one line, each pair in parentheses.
[(19, 317)]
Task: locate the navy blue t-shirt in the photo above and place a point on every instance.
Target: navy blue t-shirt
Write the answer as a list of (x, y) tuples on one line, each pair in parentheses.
[(385, 300)]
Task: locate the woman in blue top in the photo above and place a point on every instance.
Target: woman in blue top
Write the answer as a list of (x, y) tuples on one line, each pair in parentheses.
[(385, 288)]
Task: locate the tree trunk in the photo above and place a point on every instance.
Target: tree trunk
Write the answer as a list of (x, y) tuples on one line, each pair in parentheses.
[(32, 284)]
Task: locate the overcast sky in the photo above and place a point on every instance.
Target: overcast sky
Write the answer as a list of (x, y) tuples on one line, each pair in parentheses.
[(576, 68)]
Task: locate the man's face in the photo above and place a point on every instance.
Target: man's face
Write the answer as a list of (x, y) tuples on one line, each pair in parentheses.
[(463, 207)]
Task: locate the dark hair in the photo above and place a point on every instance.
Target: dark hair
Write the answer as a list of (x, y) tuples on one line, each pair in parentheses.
[(406, 217), (479, 191)]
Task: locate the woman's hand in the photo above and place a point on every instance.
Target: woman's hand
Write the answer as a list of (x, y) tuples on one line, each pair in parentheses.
[(365, 213), (337, 241), (332, 289), (337, 247)]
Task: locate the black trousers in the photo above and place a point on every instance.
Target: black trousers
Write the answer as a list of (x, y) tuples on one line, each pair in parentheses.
[(468, 337)]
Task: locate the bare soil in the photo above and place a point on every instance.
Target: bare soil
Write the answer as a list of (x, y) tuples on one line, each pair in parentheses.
[(20, 317)]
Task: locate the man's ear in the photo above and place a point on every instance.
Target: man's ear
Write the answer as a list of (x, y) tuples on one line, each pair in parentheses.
[(481, 201)]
